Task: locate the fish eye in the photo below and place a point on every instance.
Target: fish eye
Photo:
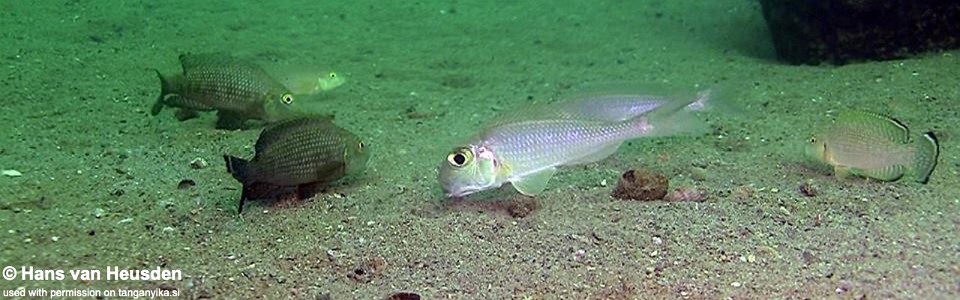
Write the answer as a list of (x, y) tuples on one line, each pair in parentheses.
[(813, 140), (286, 98), (459, 158), (332, 75), (360, 145)]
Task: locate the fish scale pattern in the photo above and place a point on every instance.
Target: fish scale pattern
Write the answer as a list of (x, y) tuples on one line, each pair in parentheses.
[(534, 145), (302, 155)]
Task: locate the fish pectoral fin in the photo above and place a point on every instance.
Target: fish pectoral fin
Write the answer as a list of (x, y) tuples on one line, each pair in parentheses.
[(889, 173), (535, 183), (841, 172)]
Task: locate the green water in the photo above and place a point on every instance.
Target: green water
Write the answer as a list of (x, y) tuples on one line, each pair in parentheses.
[(99, 183)]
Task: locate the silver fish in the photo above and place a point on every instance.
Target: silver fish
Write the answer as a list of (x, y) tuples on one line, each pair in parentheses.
[(525, 148)]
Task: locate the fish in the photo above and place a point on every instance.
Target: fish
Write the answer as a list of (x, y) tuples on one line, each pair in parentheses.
[(874, 146), (308, 81), (623, 106), (299, 152), (527, 147), (238, 90)]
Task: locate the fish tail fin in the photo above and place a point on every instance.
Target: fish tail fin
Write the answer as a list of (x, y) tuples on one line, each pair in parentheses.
[(925, 157), (675, 118), (243, 199), (165, 87), (239, 167)]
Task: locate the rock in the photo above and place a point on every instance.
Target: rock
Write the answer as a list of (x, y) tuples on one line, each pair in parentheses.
[(403, 296), (640, 184), (807, 189), (198, 163), (12, 173), (186, 184), (841, 31), (684, 194)]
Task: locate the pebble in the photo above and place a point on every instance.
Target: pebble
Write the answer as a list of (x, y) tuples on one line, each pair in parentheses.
[(784, 211), (12, 173), (54, 238), (198, 163), (735, 284), (99, 213)]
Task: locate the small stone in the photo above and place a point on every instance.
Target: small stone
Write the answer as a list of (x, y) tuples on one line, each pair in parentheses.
[(186, 184), (127, 220), (807, 189), (735, 284), (774, 190), (784, 211), (580, 255), (198, 163), (751, 258), (603, 183), (99, 213), (640, 184), (404, 296), (657, 240), (654, 253), (12, 173), (54, 238)]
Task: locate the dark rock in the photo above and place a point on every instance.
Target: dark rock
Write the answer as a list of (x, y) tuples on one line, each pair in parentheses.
[(403, 296), (807, 189), (186, 184), (841, 31), (641, 185)]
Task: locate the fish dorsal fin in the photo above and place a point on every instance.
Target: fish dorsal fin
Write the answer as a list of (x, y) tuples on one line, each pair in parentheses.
[(275, 132), (535, 183), (223, 62), (875, 124)]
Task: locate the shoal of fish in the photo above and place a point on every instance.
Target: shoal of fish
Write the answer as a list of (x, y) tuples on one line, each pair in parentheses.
[(523, 148)]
